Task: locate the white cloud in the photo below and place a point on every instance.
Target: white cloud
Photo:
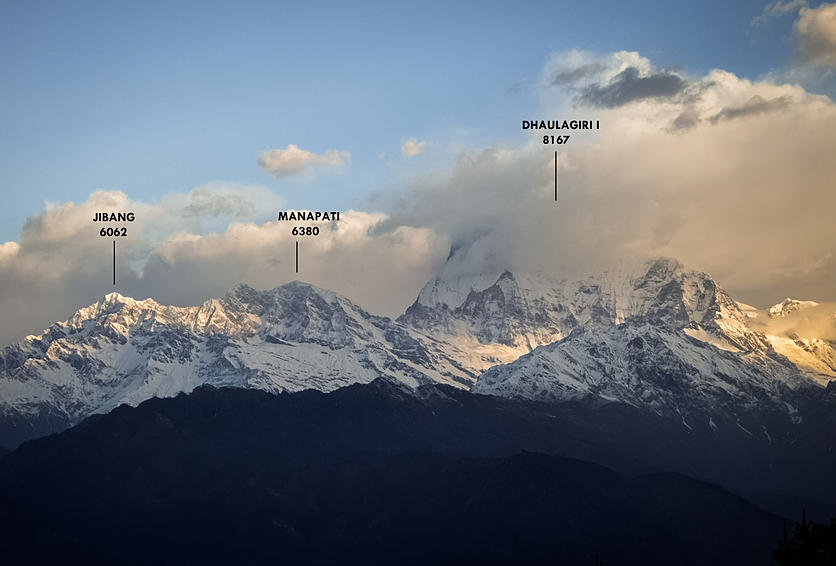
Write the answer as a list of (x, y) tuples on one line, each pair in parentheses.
[(292, 160), (412, 147), (777, 9), (816, 34)]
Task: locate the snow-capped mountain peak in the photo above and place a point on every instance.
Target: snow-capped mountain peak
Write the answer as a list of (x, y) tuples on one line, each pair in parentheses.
[(497, 318), (668, 339), (789, 306), (122, 350)]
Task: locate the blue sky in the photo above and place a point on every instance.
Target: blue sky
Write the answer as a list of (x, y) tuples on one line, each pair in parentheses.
[(152, 98)]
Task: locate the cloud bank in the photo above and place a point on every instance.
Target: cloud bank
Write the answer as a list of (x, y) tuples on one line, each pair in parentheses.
[(730, 176), (816, 33), (61, 263), (818, 321)]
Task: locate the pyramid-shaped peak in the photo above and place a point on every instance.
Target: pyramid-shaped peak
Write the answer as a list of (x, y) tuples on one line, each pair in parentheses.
[(116, 298)]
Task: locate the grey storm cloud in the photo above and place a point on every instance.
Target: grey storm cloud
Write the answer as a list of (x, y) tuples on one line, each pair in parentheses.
[(686, 120), (629, 86), (754, 106), (569, 76)]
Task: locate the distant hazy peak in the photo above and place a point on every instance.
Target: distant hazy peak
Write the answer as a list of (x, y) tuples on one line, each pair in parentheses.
[(789, 306)]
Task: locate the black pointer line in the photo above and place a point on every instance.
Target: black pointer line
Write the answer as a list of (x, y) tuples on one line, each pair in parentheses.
[(297, 256), (114, 262), (555, 176)]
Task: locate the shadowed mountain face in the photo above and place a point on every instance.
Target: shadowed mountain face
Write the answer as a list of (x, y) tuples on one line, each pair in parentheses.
[(368, 474)]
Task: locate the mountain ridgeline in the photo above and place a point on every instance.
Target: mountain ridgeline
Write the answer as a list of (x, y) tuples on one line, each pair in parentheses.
[(653, 338)]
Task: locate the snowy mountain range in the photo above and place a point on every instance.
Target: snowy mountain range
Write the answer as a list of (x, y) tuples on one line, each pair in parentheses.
[(656, 335)]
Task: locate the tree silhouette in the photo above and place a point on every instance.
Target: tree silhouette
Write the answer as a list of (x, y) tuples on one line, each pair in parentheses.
[(811, 544)]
